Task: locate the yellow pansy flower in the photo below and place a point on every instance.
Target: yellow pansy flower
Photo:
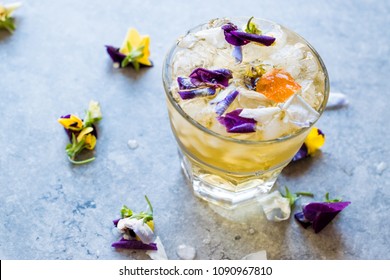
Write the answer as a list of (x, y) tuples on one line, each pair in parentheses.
[(314, 141), (71, 122), (6, 21), (136, 49)]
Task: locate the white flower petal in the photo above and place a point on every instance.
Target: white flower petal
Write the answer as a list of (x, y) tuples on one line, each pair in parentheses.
[(160, 254), (144, 232), (275, 206), (336, 100)]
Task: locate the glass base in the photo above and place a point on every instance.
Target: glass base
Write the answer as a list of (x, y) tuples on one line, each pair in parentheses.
[(226, 189)]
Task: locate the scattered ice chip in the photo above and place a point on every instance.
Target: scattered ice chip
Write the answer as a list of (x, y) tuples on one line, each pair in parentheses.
[(260, 255), (132, 144), (381, 167), (251, 231), (336, 100), (158, 254), (186, 252), (275, 206)]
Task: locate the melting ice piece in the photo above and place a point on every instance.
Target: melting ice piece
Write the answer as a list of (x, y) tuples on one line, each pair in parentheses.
[(251, 99), (275, 206), (299, 112), (260, 255), (186, 252), (132, 144), (336, 100)]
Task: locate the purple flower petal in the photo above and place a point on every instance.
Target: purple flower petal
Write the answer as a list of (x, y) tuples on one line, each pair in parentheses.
[(237, 37), (116, 222), (300, 217), (185, 83), (115, 55), (262, 39), (302, 153), (231, 38), (237, 53), (236, 124), (320, 214), (133, 244), (222, 105), (189, 94), (214, 78)]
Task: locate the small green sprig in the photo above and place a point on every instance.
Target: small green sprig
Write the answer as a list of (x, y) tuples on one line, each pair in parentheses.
[(6, 20), (327, 199), (293, 197), (252, 28), (146, 216)]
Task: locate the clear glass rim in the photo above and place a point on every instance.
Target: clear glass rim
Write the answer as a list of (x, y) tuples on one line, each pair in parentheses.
[(167, 80)]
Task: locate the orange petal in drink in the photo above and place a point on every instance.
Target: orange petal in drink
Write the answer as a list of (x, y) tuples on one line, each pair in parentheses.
[(277, 85)]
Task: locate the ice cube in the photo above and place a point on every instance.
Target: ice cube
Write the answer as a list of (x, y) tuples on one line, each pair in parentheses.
[(251, 99), (213, 36), (299, 112), (261, 115)]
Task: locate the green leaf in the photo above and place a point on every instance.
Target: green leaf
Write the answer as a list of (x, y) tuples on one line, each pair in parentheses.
[(252, 28), (126, 212), (8, 24)]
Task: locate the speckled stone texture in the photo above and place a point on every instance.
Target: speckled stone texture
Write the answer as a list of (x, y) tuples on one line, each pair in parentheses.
[(55, 63)]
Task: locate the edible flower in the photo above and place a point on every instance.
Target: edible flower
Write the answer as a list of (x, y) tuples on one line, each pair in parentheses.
[(137, 229), (234, 123), (82, 134), (293, 197), (320, 214), (203, 82), (239, 38), (134, 51), (6, 19), (313, 142), (222, 104)]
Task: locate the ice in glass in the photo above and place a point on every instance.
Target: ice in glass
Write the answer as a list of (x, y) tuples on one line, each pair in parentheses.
[(242, 95)]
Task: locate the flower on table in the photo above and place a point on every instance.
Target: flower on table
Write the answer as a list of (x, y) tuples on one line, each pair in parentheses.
[(134, 51), (138, 231), (82, 133), (239, 38), (203, 82), (6, 20), (320, 214), (313, 142)]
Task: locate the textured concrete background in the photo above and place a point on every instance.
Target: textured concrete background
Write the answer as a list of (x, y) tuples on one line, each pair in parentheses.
[(55, 63)]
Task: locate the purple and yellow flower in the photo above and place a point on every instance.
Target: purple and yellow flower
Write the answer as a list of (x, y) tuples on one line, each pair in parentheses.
[(313, 142), (320, 214), (137, 229), (134, 51), (82, 134), (6, 19), (203, 82)]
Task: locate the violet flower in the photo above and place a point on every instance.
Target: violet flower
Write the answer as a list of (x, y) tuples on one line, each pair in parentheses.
[(239, 38), (203, 82), (236, 124), (319, 214)]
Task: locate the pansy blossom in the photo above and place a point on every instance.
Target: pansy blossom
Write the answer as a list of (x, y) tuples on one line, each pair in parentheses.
[(82, 133), (320, 214), (134, 51), (137, 229), (313, 142), (6, 20)]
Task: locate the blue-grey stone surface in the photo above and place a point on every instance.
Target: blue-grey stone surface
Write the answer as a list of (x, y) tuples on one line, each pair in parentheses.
[(56, 62)]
